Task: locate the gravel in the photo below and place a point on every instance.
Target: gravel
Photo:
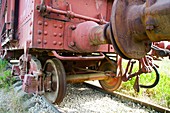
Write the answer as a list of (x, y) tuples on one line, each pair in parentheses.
[(79, 99), (9, 103)]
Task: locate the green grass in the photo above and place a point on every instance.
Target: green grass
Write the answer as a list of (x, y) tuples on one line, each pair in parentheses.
[(159, 94), (6, 79)]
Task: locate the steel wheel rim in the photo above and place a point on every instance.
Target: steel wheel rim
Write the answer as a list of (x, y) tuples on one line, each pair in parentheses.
[(110, 84), (58, 80)]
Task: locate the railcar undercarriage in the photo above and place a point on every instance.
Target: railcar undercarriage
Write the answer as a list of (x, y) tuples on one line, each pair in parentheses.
[(56, 42)]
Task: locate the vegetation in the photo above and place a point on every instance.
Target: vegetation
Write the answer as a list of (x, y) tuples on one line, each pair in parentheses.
[(159, 94), (6, 79)]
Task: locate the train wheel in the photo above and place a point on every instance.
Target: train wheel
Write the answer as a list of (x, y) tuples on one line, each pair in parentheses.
[(58, 76), (112, 83)]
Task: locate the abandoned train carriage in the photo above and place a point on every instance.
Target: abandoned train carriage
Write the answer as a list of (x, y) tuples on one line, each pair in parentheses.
[(66, 41)]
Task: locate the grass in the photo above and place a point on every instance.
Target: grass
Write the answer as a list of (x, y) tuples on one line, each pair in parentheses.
[(159, 94), (6, 79)]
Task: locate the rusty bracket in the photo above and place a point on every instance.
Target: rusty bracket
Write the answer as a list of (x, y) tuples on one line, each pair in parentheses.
[(145, 65), (161, 52), (54, 53)]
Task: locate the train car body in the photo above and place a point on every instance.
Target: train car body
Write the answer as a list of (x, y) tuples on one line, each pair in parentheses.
[(66, 41), (31, 26)]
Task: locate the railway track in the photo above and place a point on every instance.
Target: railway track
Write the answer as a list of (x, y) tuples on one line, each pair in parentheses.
[(29, 101), (96, 86)]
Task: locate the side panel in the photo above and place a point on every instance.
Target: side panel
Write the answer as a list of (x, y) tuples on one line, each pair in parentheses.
[(56, 31), (53, 31), (2, 16), (91, 8), (53, 34), (7, 20), (25, 22)]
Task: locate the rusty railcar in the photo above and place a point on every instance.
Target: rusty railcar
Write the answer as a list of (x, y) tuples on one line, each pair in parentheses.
[(56, 42)]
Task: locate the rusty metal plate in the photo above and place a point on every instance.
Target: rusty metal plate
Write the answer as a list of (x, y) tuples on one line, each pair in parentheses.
[(123, 36)]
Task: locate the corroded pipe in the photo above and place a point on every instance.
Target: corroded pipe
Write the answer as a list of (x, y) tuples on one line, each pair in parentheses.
[(85, 77), (134, 25)]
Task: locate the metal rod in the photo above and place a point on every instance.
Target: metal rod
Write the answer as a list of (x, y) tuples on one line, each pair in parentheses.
[(73, 15), (85, 77), (77, 57)]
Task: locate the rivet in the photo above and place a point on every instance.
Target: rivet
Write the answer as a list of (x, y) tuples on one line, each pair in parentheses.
[(39, 22), (55, 25), (60, 26), (30, 32), (39, 32), (55, 34), (73, 27), (54, 42), (45, 23), (39, 41), (30, 23), (72, 44), (45, 32), (45, 42), (60, 43), (60, 35)]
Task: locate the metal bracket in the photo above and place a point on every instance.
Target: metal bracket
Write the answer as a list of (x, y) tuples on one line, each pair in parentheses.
[(161, 52)]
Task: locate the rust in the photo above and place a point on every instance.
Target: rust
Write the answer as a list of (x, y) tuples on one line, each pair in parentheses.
[(78, 57), (86, 77), (92, 35), (44, 9)]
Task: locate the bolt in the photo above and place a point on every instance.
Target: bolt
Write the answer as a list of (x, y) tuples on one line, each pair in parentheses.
[(72, 44), (60, 35), (30, 32), (39, 22), (60, 26), (38, 7), (55, 25), (45, 42), (45, 23), (39, 41), (39, 32), (55, 34), (60, 43), (30, 23), (54, 42), (45, 32), (73, 27)]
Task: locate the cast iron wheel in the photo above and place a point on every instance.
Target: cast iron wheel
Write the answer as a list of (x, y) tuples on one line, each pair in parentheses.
[(112, 83), (55, 67)]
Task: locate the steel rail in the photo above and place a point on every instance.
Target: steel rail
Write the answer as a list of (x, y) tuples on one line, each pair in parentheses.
[(129, 98)]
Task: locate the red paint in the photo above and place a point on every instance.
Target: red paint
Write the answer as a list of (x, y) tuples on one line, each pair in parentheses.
[(73, 30)]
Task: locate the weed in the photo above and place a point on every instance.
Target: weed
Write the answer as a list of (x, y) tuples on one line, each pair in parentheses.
[(159, 94), (6, 78)]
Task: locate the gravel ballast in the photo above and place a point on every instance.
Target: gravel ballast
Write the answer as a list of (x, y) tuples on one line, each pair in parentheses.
[(79, 99)]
